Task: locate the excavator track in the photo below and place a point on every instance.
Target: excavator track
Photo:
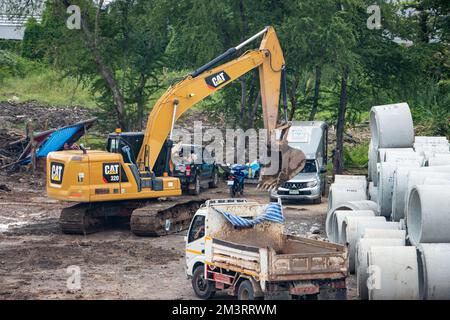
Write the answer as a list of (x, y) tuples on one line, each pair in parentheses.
[(147, 218), (158, 219), (79, 219)]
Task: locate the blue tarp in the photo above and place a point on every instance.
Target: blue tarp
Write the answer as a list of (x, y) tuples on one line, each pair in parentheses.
[(55, 142), (273, 213)]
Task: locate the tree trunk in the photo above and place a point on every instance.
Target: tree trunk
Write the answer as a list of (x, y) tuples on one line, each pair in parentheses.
[(338, 161), (251, 118), (293, 97), (106, 73), (243, 100), (316, 93), (140, 101)]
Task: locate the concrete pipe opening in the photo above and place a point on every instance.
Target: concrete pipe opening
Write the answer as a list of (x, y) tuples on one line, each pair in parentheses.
[(339, 217), (362, 248), (428, 214), (392, 126), (350, 205), (394, 273), (434, 265)]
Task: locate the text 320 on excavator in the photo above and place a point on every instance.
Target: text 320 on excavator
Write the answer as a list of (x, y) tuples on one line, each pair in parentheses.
[(122, 181)]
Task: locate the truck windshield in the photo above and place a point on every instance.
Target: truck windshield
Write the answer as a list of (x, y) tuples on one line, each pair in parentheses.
[(310, 167)]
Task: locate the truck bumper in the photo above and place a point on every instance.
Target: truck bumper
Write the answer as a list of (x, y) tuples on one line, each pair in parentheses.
[(304, 194)]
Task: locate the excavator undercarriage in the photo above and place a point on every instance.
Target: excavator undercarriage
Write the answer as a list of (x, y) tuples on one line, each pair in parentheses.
[(146, 218)]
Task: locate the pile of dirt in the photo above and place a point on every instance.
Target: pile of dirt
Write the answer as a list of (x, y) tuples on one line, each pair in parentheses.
[(43, 117)]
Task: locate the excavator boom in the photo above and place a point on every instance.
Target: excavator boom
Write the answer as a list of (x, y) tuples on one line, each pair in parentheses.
[(209, 79)]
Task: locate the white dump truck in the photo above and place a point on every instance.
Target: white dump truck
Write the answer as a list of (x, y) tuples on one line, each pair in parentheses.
[(259, 261)]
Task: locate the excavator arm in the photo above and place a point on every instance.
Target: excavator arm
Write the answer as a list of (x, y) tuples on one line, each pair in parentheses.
[(210, 78)]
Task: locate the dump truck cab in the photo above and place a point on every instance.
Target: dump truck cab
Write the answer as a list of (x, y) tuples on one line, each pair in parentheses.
[(238, 247)]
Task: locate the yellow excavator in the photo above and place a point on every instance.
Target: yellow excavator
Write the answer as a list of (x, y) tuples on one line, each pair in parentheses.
[(125, 180)]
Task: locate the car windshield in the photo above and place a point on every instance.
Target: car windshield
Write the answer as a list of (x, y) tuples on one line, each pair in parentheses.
[(310, 167)]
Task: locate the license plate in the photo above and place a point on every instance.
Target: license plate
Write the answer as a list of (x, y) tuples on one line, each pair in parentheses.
[(294, 192), (230, 183)]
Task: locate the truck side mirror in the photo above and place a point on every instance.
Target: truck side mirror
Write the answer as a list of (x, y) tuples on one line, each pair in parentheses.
[(323, 170)]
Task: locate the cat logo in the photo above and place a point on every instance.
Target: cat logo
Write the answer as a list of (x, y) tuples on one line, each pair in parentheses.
[(111, 172), (56, 172), (215, 80)]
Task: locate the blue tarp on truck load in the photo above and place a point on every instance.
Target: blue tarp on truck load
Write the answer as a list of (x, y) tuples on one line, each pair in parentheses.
[(273, 213)]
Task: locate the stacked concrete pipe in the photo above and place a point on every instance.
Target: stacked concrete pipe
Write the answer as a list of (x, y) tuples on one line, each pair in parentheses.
[(350, 205), (439, 159), (386, 177), (394, 273), (339, 217), (343, 192), (392, 126), (428, 214), (362, 248), (434, 266), (351, 227)]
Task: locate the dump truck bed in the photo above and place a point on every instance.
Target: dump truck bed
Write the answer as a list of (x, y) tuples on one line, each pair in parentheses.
[(264, 251), (295, 258)]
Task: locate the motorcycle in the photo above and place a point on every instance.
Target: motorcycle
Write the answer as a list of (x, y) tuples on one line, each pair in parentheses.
[(236, 179)]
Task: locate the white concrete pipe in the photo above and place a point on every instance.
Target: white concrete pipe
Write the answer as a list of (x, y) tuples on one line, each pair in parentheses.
[(362, 248), (372, 233), (339, 217), (399, 189), (350, 205), (381, 153), (385, 186), (402, 158), (405, 178), (439, 159), (392, 126), (428, 214), (426, 139), (434, 266), (394, 273), (370, 163), (340, 193), (361, 226), (372, 166), (373, 192), (351, 180), (417, 177), (349, 233)]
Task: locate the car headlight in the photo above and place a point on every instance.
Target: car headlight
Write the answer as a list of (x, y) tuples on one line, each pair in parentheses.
[(311, 184)]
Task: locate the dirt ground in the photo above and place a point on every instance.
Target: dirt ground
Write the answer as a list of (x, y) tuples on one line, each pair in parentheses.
[(114, 264)]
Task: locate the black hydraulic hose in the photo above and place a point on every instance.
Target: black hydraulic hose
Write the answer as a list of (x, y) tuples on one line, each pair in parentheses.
[(284, 91), (214, 61)]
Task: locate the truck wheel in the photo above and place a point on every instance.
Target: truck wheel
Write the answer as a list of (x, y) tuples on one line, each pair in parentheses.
[(215, 180), (245, 291), (196, 190), (203, 288)]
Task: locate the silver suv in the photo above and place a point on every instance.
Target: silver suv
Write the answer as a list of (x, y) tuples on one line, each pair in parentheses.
[(309, 184)]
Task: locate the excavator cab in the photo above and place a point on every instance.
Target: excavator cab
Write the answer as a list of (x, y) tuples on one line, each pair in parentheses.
[(127, 144)]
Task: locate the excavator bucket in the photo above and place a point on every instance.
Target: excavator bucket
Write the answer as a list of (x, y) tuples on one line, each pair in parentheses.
[(291, 162)]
